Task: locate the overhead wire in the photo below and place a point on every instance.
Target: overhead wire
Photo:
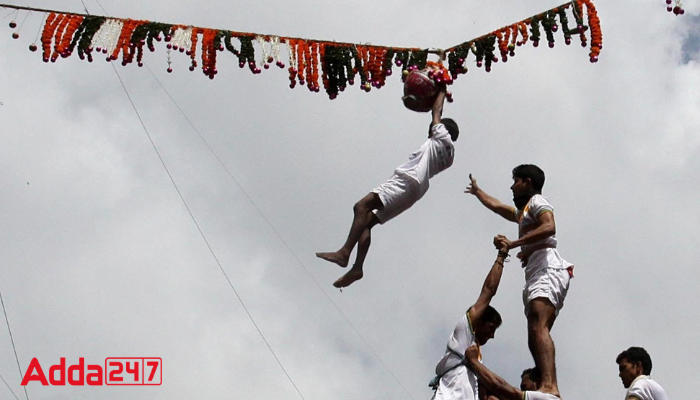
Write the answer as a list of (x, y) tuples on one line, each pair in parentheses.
[(201, 232), (249, 198), (203, 235), (12, 340), (271, 226), (277, 234), (8, 387)]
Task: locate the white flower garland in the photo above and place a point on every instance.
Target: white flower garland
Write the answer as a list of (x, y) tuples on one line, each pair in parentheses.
[(181, 39), (106, 38)]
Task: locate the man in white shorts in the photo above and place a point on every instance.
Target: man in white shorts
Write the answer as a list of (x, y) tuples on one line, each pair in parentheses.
[(497, 386), (408, 184), (476, 326), (635, 367), (547, 274)]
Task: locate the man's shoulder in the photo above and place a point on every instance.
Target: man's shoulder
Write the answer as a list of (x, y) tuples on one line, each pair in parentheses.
[(539, 199), (439, 131), (539, 202), (644, 385)]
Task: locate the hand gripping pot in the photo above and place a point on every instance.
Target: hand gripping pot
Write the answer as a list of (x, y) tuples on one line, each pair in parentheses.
[(419, 91)]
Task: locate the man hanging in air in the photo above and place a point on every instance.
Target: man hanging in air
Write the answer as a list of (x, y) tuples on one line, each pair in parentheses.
[(408, 184)]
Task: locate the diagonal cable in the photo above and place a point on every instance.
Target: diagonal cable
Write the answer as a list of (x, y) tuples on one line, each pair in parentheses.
[(8, 387), (202, 235), (12, 340), (199, 229), (277, 233)]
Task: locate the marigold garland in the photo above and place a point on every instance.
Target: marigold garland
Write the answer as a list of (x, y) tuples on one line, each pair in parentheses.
[(312, 63), (84, 36)]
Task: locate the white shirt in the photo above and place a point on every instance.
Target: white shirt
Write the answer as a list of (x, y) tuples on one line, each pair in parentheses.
[(527, 220), (434, 156), (645, 388), (461, 338)]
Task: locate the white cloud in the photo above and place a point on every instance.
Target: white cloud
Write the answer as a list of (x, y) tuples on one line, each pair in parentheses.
[(102, 258)]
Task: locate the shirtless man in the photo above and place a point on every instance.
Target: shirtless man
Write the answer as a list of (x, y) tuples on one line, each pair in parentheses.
[(408, 184), (547, 274)]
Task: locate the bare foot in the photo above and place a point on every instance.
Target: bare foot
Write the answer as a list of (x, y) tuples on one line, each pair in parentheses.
[(346, 280), (334, 257)]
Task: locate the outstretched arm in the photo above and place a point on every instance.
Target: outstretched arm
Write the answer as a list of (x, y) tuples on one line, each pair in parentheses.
[(494, 383), (488, 290), (490, 202), (437, 108)]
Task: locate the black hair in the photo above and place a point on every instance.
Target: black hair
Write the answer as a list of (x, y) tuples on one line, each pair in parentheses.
[(531, 171), (452, 128), (491, 315), (636, 354), (534, 374)]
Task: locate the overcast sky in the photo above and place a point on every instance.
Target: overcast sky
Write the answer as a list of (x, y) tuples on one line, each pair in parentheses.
[(101, 258)]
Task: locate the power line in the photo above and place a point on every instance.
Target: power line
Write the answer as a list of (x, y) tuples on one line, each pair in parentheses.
[(12, 340), (278, 235), (8, 387), (199, 229), (201, 233), (258, 210)]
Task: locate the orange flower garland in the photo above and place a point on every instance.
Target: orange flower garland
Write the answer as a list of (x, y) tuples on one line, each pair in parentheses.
[(523, 32), (514, 38), (63, 43), (312, 67), (58, 35), (208, 50), (50, 26), (302, 48), (596, 33), (124, 44)]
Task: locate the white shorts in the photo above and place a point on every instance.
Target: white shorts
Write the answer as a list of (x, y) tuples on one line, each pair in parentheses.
[(456, 385), (397, 195), (550, 283)]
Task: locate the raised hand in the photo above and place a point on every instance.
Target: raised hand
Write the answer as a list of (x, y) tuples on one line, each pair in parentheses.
[(472, 187)]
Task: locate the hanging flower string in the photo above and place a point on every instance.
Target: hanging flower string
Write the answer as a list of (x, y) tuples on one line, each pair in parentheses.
[(506, 38), (677, 9), (312, 63), (596, 34)]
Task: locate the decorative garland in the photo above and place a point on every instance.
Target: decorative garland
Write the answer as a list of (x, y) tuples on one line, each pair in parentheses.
[(313, 63)]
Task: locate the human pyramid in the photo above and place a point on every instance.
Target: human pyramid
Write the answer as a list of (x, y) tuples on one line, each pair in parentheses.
[(460, 374)]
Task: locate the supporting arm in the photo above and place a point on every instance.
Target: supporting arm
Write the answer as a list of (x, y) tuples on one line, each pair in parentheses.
[(490, 286), (495, 384)]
